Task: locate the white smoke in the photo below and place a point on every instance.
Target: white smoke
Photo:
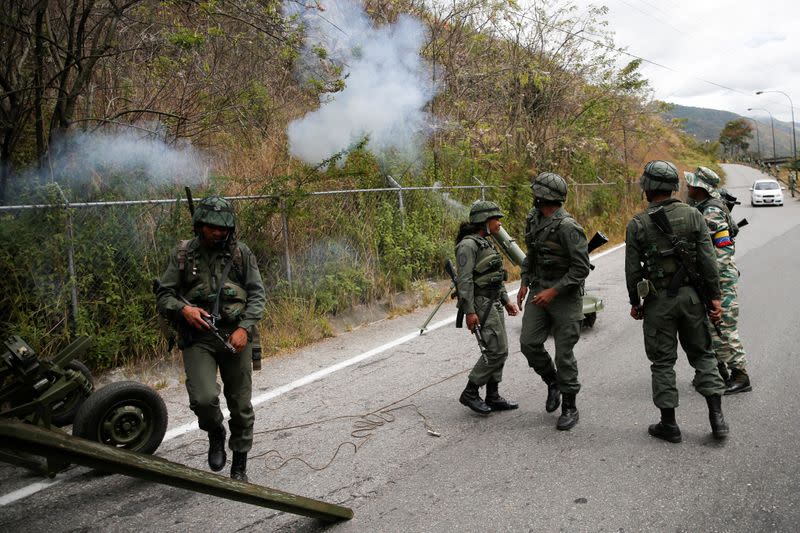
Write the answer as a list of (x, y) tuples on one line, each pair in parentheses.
[(387, 84)]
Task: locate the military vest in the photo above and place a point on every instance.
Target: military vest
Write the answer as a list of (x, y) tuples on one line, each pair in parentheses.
[(712, 201), (550, 259), (488, 274), (200, 283), (660, 268)]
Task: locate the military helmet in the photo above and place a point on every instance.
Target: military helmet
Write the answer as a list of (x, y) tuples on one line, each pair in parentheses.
[(483, 210), (659, 176), (214, 211), (703, 177), (549, 186)]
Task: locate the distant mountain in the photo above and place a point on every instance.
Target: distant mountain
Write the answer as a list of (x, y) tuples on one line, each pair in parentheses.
[(705, 124)]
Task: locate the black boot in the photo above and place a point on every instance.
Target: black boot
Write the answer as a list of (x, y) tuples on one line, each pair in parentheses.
[(495, 401), (739, 382), (667, 429), (472, 399), (239, 466), (216, 449), (553, 392), (719, 428), (723, 372), (569, 413)]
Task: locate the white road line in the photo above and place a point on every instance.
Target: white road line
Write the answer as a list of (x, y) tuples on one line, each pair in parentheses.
[(24, 492)]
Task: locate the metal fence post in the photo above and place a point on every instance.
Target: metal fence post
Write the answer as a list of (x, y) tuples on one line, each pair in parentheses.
[(399, 188), (483, 188), (73, 280), (285, 229)]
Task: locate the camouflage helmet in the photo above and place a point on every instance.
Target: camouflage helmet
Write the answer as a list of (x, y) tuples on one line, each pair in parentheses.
[(483, 210), (214, 211), (549, 186), (703, 177), (659, 176)]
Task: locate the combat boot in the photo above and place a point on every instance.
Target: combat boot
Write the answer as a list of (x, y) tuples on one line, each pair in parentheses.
[(667, 429), (495, 401), (553, 392), (216, 449), (239, 466), (739, 382), (569, 413), (472, 399), (719, 428)]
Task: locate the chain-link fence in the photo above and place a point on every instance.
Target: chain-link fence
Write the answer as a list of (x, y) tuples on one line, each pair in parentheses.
[(88, 268)]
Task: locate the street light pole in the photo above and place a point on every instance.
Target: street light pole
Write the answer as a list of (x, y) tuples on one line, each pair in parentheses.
[(758, 139), (772, 122), (791, 106)]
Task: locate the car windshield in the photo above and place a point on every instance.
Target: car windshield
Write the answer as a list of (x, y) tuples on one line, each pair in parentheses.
[(766, 185)]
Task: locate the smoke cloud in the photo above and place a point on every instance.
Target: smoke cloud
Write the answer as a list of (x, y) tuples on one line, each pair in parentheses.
[(387, 84)]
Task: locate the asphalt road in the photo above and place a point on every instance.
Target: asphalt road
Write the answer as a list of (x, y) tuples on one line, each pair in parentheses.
[(423, 462)]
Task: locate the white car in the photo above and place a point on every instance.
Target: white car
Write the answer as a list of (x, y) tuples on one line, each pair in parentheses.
[(766, 192)]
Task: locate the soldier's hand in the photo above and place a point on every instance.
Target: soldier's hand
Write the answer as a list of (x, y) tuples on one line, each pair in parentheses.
[(543, 299), (512, 309), (238, 339), (715, 313), (194, 316), (523, 292), (637, 312), (473, 321)]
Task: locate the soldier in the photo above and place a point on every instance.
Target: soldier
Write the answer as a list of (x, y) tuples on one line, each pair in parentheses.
[(672, 307), (215, 275), (555, 268), (730, 353), (481, 292)]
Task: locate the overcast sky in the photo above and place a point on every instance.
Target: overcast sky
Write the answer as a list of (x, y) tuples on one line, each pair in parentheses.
[(746, 45)]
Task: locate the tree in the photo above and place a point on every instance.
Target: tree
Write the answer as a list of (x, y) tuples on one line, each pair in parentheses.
[(734, 136)]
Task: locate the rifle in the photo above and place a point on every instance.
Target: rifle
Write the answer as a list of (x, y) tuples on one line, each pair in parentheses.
[(742, 223), (598, 240), (211, 321), (451, 271), (189, 199), (687, 266)]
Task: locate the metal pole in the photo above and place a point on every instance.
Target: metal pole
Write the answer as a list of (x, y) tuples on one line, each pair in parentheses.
[(73, 280), (791, 106), (394, 183), (483, 189), (285, 228), (772, 125)]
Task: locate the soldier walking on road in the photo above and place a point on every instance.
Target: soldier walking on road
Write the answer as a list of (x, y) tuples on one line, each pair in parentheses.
[(215, 276), (481, 298), (730, 353), (555, 268), (672, 306)]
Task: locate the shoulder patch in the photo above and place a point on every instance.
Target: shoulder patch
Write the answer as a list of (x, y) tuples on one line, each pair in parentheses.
[(462, 258)]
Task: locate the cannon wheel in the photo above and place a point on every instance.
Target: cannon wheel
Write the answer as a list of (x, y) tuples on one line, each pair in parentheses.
[(64, 415), (589, 319), (125, 414)]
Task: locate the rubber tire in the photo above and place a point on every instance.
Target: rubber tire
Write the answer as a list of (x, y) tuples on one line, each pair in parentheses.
[(95, 411), (589, 320), (66, 414)]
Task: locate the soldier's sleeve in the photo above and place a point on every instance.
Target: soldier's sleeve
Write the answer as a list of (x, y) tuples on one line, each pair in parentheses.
[(168, 286), (466, 251), (573, 238), (718, 228), (524, 269), (706, 256), (256, 294), (634, 272)]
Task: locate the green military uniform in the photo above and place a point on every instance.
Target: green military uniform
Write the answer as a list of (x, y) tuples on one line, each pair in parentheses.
[(195, 271), (481, 291), (557, 257), (672, 308), (723, 230)]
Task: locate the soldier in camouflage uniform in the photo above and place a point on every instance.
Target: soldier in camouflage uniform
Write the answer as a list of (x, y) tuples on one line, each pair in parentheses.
[(723, 230), (672, 307), (481, 298), (555, 268), (215, 266)]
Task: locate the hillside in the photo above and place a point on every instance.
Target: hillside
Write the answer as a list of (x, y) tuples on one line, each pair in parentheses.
[(705, 124)]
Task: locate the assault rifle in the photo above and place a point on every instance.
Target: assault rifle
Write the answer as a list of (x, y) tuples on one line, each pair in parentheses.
[(451, 271), (211, 322), (687, 266)]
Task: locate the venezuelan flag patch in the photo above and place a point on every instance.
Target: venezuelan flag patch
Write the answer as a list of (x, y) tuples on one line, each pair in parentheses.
[(722, 239)]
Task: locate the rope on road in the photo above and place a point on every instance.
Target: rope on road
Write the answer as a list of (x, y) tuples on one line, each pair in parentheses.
[(363, 429)]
